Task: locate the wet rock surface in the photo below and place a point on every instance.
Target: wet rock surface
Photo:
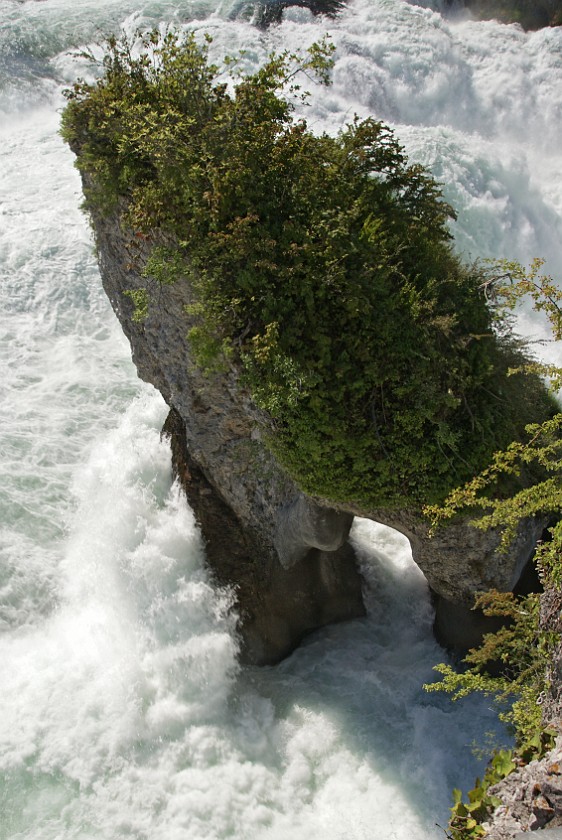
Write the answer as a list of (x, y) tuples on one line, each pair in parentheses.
[(277, 606)]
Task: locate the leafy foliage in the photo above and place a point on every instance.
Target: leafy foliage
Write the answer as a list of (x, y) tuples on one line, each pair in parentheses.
[(509, 665), (321, 267), (140, 301), (512, 665), (520, 651), (466, 817), (541, 450)]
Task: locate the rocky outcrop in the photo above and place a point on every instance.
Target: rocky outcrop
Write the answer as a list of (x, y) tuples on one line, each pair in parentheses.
[(286, 554), (277, 606), (268, 12), (531, 796)]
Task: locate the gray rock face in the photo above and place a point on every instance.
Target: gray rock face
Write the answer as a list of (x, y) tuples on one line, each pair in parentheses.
[(531, 800), (531, 796), (277, 606), (289, 550), (286, 556)]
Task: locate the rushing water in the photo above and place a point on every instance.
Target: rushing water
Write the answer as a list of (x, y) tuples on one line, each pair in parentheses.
[(123, 713)]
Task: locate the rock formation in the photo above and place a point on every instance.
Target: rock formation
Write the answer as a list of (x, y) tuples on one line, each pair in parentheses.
[(286, 555), (531, 796)]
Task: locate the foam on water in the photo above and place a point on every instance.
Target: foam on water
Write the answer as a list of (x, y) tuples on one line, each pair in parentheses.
[(123, 712), (62, 353), (137, 649)]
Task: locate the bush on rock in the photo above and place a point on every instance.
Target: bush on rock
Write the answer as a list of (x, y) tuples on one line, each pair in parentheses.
[(320, 267)]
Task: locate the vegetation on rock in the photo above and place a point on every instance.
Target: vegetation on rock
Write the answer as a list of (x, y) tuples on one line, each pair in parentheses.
[(515, 665), (320, 267)]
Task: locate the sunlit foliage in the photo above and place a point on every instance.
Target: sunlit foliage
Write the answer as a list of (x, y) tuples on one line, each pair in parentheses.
[(319, 267)]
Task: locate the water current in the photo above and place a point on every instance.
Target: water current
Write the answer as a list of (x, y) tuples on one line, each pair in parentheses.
[(123, 712)]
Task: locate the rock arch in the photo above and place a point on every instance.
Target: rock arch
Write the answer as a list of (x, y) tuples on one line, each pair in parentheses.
[(286, 555)]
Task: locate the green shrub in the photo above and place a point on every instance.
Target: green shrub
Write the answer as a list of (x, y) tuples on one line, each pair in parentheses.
[(514, 665), (321, 267)]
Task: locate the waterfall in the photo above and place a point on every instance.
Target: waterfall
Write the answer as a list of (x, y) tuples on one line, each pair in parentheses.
[(123, 711)]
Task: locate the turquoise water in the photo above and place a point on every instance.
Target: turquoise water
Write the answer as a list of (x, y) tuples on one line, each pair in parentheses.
[(123, 712)]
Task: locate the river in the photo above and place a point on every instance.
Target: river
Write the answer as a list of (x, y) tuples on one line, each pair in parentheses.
[(123, 711)]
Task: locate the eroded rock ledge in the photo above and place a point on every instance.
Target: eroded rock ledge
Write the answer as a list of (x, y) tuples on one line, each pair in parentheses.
[(277, 606), (286, 554)]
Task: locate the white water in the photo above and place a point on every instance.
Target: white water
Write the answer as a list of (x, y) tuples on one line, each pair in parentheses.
[(123, 713)]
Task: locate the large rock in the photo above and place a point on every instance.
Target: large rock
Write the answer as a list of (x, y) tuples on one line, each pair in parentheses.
[(286, 554), (531, 799), (277, 606)]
